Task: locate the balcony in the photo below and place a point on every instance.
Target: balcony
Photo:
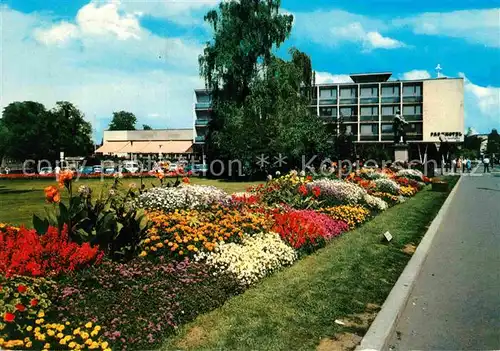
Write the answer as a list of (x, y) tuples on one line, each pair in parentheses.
[(201, 122), (203, 105), (349, 101), (373, 137), (387, 118), (328, 101), (349, 119), (387, 136), (414, 136), (200, 139), (390, 99), (369, 118), (369, 100), (413, 118), (412, 98)]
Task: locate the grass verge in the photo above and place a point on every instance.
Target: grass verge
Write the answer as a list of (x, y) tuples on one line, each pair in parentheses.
[(296, 309), (20, 199)]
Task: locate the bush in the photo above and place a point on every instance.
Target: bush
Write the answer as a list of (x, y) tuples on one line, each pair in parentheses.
[(352, 215), (307, 229), (375, 203), (182, 197), (387, 186), (411, 174), (141, 303), (22, 301), (253, 259), (337, 192), (186, 232), (24, 252)]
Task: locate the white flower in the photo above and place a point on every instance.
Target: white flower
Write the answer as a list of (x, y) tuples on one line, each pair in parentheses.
[(387, 186), (256, 257), (375, 203), (112, 192), (269, 178), (411, 174), (278, 173), (302, 173), (338, 192)]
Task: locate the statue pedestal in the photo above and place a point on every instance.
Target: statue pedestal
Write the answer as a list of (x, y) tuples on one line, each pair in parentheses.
[(401, 152)]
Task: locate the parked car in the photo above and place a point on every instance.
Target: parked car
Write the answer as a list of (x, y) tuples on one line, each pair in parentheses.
[(173, 167), (97, 169), (46, 170), (131, 167), (200, 168), (109, 170), (86, 170)]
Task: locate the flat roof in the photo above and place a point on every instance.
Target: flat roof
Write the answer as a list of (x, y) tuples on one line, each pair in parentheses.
[(375, 77)]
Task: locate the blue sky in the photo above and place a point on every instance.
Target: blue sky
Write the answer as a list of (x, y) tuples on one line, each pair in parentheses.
[(141, 56)]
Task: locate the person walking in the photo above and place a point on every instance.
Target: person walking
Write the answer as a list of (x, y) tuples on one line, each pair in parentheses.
[(469, 165), (454, 165), (459, 164), (486, 163)]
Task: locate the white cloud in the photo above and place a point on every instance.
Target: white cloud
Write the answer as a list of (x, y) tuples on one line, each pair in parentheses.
[(475, 26), (416, 74), (378, 41), (153, 78), (331, 28), (182, 12), (325, 77), (58, 34)]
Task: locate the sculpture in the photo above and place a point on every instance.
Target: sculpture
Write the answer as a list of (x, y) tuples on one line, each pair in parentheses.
[(399, 125)]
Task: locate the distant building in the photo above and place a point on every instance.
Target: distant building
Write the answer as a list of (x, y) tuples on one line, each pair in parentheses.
[(167, 143), (433, 108)]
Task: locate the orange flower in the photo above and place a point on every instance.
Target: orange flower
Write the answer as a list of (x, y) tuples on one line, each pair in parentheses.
[(65, 177), (52, 194), (185, 180)]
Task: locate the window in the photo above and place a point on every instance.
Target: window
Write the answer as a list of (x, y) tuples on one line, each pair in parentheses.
[(347, 111), (387, 128), (348, 92), (328, 111), (327, 93), (415, 128), (389, 110), (348, 129), (369, 92), (369, 111), (390, 91), (412, 90), (204, 98), (369, 129), (412, 110)]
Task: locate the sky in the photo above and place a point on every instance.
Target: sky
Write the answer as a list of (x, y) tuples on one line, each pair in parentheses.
[(142, 55)]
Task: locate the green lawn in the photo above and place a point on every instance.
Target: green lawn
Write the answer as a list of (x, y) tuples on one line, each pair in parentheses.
[(19, 199), (296, 308)]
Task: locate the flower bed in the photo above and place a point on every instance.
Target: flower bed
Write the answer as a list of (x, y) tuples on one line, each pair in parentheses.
[(124, 271)]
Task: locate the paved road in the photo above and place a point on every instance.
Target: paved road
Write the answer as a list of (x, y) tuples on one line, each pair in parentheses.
[(455, 303)]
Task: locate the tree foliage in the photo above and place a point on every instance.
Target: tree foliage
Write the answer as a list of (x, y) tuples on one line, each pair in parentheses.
[(123, 120), (258, 105), (146, 127), (493, 143), (30, 131)]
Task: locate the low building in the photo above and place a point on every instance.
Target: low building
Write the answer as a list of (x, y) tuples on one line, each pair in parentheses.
[(166, 143)]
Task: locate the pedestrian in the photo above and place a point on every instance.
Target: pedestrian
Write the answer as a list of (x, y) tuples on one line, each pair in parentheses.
[(459, 163), (469, 165), (486, 163), (464, 164), (454, 164)]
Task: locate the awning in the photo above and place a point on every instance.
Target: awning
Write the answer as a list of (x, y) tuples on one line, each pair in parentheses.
[(147, 147), (113, 147)]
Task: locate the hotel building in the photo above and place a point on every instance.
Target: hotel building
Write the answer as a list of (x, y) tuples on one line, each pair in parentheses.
[(433, 108)]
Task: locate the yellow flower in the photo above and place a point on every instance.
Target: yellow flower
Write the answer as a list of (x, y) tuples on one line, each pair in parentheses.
[(104, 345), (72, 344), (50, 332), (67, 323), (29, 328), (29, 344), (88, 342), (46, 346), (97, 328), (84, 335), (94, 345), (59, 335), (143, 253), (41, 314), (76, 331), (93, 333), (88, 325)]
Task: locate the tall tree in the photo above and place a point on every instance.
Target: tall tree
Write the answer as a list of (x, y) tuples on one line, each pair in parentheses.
[(74, 135), (257, 103), (123, 120), (146, 127), (493, 143), (35, 133)]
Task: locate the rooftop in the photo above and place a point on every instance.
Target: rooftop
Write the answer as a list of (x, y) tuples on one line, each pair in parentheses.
[(371, 77)]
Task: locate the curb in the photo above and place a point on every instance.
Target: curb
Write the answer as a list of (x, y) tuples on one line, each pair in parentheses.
[(377, 336)]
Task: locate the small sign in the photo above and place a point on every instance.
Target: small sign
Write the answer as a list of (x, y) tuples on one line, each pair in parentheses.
[(388, 236)]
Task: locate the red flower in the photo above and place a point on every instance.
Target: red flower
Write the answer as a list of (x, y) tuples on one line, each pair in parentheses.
[(20, 307), (22, 289), (309, 178), (185, 180), (303, 189), (34, 302), (316, 191), (9, 317)]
